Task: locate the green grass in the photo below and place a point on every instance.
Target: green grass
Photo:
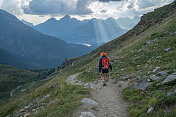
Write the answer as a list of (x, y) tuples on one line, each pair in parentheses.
[(89, 76), (12, 77), (142, 100), (65, 98), (136, 57)]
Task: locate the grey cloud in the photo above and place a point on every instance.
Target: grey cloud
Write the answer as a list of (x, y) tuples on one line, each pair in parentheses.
[(11, 6), (103, 11), (44, 7), (145, 4), (130, 6), (109, 0), (82, 7)]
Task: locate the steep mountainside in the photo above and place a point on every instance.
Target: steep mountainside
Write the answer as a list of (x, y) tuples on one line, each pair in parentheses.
[(7, 58), (32, 47), (144, 58), (92, 31)]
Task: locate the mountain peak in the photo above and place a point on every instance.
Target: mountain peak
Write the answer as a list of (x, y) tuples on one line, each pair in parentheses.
[(110, 19), (52, 19), (65, 18)]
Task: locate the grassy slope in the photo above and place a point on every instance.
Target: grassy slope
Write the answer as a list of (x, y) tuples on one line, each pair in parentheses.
[(139, 58), (136, 54), (11, 78), (64, 97)]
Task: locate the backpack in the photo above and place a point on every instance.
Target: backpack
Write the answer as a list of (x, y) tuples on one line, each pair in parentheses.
[(105, 63)]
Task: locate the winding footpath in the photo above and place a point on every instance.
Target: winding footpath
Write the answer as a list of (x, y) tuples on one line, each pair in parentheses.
[(108, 99)]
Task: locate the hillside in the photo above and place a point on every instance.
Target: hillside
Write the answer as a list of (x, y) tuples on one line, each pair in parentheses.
[(11, 78), (32, 47), (144, 58), (7, 58)]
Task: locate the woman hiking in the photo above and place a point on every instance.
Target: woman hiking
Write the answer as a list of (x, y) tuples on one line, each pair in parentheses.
[(104, 66)]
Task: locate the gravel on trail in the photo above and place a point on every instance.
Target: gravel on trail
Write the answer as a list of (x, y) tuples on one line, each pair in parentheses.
[(109, 99)]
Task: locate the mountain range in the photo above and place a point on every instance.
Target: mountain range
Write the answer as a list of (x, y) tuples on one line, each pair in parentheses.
[(94, 31), (32, 47)]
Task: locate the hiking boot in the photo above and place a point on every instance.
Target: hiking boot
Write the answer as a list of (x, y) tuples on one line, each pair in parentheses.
[(104, 84)]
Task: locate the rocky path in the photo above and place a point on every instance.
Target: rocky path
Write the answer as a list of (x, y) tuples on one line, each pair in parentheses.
[(105, 101)]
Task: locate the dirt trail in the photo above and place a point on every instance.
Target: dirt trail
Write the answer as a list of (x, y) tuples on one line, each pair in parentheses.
[(108, 97)]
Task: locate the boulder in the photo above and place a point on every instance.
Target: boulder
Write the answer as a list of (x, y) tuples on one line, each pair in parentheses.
[(170, 94), (86, 84), (150, 110), (87, 114), (27, 115), (156, 78), (34, 110), (22, 110), (54, 85), (149, 80), (89, 101), (141, 85), (157, 68), (47, 96), (150, 72), (167, 49), (162, 73), (170, 79), (158, 57), (26, 107)]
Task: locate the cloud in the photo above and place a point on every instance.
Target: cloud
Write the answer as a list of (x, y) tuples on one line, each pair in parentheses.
[(104, 11), (0, 3), (126, 8), (146, 4), (62, 7), (12, 6), (82, 9), (109, 0)]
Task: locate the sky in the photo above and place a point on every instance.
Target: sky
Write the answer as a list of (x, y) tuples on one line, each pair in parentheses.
[(38, 11)]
